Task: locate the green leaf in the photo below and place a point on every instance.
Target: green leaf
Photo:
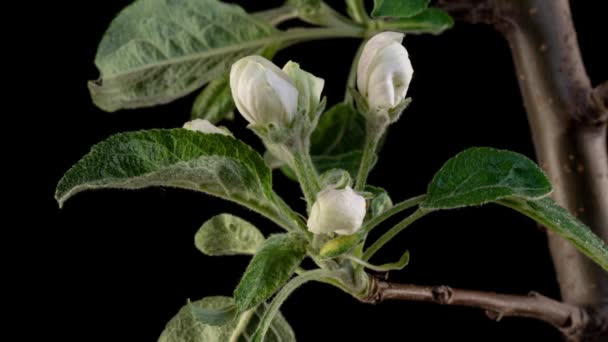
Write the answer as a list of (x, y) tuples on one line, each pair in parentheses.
[(214, 315), (226, 234), (340, 245), (212, 163), (185, 326), (546, 212), (381, 201), (340, 130), (214, 103), (431, 20), (480, 175), (158, 50), (398, 8), (270, 268), (393, 266)]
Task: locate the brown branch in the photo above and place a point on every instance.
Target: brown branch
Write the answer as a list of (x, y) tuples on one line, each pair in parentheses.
[(568, 122), (572, 321)]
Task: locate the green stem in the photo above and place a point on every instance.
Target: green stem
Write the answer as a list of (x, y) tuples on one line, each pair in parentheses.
[(367, 160), (277, 15), (357, 11), (352, 74), (307, 175), (395, 209), (294, 219), (280, 298), (389, 235)]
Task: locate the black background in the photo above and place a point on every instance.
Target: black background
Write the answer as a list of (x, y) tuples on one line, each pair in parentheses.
[(116, 265)]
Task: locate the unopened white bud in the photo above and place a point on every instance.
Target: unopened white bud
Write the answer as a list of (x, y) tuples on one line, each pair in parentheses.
[(341, 211), (204, 126), (384, 71), (262, 92)]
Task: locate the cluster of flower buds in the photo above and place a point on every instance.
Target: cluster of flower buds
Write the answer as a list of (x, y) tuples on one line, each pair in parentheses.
[(268, 96)]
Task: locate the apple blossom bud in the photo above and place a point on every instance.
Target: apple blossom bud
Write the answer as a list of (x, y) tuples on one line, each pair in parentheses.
[(262, 92), (384, 71), (309, 87), (341, 211), (204, 126)]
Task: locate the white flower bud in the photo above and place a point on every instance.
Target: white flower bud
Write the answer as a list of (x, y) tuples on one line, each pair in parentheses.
[(309, 87), (204, 126), (262, 92), (341, 211), (384, 71)]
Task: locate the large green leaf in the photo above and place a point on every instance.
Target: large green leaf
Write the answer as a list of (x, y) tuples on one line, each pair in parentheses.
[(158, 50), (398, 8), (185, 327), (480, 175), (226, 234), (546, 212), (431, 20), (213, 163), (270, 268)]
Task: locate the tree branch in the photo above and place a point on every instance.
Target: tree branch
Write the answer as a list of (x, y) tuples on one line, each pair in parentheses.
[(572, 321), (568, 122)]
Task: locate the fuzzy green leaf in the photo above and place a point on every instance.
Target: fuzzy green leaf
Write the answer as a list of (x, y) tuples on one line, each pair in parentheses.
[(214, 103), (270, 268), (546, 212), (226, 234), (185, 326), (431, 20), (398, 8), (158, 50), (340, 130), (480, 175), (212, 163)]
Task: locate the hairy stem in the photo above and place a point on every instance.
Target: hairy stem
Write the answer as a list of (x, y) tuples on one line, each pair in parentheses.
[(356, 9), (391, 233), (307, 175), (569, 319)]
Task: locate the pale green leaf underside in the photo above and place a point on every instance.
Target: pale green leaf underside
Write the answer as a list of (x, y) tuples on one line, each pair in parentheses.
[(184, 327), (558, 219), (398, 8), (480, 175), (270, 268), (158, 50), (212, 163), (226, 234)]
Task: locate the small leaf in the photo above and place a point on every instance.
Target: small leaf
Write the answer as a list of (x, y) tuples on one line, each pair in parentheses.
[(214, 103), (480, 175), (546, 212), (158, 50), (270, 268), (393, 266), (398, 8), (335, 178), (339, 245), (185, 326), (214, 316), (381, 201), (212, 163), (226, 234), (431, 20)]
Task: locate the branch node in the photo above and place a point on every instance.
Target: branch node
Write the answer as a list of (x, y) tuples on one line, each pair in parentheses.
[(442, 294)]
